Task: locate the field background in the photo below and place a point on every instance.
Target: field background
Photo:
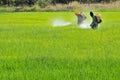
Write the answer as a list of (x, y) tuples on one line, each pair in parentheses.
[(32, 49)]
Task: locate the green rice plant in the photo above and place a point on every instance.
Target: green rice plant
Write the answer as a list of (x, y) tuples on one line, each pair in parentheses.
[(31, 48)]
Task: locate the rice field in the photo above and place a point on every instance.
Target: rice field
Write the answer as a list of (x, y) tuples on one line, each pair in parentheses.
[(31, 48)]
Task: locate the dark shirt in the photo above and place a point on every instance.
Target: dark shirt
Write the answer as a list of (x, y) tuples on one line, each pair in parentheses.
[(95, 21)]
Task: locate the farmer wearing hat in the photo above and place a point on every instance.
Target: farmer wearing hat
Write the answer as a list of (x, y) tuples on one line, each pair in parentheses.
[(96, 19), (81, 17)]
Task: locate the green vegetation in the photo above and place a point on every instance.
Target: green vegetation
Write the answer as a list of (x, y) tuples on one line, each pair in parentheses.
[(32, 49)]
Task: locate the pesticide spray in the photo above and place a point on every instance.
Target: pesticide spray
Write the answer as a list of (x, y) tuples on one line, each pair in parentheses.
[(85, 25), (60, 23)]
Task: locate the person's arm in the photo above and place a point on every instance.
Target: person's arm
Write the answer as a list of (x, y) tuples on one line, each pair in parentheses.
[(100, 21), (91, 14)]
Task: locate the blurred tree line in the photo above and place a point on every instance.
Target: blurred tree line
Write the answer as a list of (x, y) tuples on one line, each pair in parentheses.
[(43, 3)]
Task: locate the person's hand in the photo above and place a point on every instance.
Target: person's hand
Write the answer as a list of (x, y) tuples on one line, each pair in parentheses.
[(91, 14)]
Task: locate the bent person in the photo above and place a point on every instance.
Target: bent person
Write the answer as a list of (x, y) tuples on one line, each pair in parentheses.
[(81, 17), (96, 19)]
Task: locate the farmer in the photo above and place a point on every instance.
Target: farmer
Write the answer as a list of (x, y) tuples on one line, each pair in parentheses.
[(96, 19), (81, 17)]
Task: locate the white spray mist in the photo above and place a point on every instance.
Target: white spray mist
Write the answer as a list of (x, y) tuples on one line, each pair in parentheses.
[(85, 26), (60, 23)]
